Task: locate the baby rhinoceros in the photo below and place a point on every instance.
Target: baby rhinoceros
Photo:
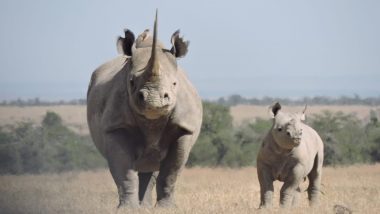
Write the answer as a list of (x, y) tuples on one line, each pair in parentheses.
[(291, 151)]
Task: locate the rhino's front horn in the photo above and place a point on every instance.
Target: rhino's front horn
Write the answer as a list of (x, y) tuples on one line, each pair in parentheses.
[(154, 61)]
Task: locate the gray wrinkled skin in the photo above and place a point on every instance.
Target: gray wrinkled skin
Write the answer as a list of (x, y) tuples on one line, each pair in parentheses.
[(144, 117), (290, 152)]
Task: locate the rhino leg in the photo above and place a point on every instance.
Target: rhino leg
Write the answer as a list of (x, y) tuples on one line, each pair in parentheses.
[(266, 187), (296, 197), (289, 189), (170, 168), (314, 176), (147, 180), (120, 160)]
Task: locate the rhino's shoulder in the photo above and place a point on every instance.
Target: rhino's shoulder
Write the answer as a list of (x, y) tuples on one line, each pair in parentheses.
[(107, 95), (311, 135), (267, 152), (187, 113)]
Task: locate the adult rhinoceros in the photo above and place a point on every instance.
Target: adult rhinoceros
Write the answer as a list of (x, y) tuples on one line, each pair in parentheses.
[(144, 117)]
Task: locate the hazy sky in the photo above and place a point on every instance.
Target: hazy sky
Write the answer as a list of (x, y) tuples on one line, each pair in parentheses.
[(48, 49)]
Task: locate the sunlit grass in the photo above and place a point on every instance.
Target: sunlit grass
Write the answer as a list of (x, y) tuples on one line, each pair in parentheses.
[(199, 190)]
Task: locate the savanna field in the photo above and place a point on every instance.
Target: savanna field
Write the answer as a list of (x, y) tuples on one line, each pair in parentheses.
[(199, 190)]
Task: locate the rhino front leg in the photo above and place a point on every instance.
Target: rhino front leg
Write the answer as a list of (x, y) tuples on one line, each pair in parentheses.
[(170, 169), (120, 160), (291, 185), (266, 187), (296, 197), (147, 180)]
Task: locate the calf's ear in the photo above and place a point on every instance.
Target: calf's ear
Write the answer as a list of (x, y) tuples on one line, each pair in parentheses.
[(124, 45), (180, 46), (274, 109)]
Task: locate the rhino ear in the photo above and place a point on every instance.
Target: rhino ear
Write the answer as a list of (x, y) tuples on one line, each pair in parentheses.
[(274, 109), (124, 45), (180, 47)]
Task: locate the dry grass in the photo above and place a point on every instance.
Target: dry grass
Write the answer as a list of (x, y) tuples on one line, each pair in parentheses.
[(74, 116), (199, 190)]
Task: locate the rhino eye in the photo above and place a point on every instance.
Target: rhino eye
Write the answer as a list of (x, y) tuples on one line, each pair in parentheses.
[(279, 129), (174, 83)]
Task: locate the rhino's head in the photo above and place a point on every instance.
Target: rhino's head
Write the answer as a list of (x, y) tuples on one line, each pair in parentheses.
[(287, 127), (152, 81)]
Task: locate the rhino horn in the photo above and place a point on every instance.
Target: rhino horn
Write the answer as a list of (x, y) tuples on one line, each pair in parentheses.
[(303, 115), (154, 61), (304, 110)]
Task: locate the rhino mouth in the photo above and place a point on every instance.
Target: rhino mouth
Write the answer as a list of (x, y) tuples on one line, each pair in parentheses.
[(154, 112), (296, 141), (158, 109)]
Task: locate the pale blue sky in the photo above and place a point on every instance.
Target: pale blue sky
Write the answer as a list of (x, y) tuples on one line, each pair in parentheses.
[(294, 48)]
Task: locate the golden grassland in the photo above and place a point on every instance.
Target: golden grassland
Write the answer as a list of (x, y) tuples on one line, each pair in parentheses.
[(74, 116), (199, 190)]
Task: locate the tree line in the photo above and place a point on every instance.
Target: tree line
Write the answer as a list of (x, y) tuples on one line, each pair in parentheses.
[(52, 147), (316, 100), (231, 100)]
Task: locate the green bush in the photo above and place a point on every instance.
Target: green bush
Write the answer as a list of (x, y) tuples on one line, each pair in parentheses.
[(347, 140), (344, 137), (222, 144), (216, 136), (51, 147)]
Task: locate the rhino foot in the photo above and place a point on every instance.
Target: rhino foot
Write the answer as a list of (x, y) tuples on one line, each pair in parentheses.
[(128, 205), (166, 203)]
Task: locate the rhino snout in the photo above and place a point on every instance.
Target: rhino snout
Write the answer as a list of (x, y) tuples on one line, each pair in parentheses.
[(142, 96), (154, 100)]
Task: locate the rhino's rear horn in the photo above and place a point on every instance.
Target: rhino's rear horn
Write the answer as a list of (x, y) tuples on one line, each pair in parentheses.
[(124, 45)]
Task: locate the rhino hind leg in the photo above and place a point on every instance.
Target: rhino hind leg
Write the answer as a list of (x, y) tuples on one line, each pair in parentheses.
[(119, 157), (147, 180), (314, 177)]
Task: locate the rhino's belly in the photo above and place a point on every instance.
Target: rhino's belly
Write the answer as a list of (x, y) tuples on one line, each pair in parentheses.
[(282, 170), (149, 159)]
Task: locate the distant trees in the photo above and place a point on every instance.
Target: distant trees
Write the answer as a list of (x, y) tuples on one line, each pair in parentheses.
[(52, 147), (231, 100), (344, 137), (317, 100), (222, 144), (37, 102), (347, 140)]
